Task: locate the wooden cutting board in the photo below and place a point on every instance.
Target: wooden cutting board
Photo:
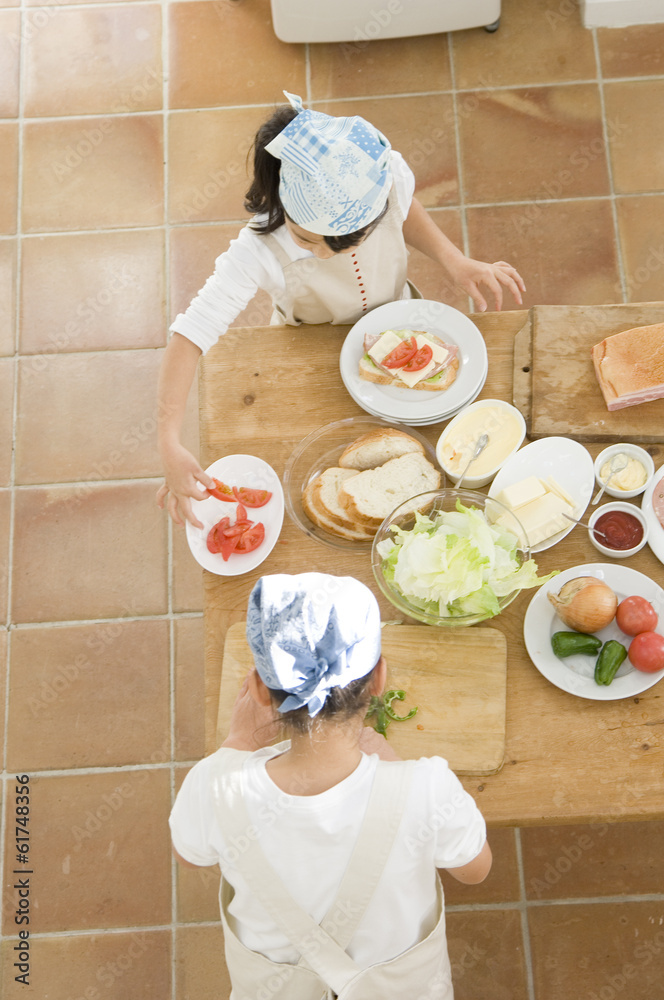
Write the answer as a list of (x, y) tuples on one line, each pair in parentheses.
[(554, 382), (456, 678)]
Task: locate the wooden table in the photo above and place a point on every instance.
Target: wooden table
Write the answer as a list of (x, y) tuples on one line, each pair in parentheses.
[(568, 759)]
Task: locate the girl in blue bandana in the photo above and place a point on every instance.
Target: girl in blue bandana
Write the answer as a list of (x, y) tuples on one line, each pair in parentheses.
[(328, 844), (333, 209)]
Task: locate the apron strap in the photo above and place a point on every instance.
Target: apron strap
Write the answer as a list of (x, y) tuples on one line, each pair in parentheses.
[(323, 952)]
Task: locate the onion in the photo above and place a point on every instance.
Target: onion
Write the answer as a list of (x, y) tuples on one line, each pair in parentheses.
[(585, 604)]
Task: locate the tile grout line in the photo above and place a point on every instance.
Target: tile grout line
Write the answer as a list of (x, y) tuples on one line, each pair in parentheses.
[(609, 167), (523, 908), (458, 150)]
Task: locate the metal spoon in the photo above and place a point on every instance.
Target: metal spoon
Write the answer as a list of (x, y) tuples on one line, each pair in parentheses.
[(593, 530), (480, 445), (618, 463)]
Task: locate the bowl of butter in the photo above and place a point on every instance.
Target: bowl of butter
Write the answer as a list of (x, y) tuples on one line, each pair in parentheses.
[(629, 481), (505, 428)]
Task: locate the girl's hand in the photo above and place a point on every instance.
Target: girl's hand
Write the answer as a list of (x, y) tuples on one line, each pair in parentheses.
[(373, 742), (252, 725), (183, 475), (470, 275)]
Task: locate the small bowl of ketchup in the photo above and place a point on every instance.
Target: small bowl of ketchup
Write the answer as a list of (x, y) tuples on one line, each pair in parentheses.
[(618, 529)]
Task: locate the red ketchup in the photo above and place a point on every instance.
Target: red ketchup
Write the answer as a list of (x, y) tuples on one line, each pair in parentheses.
[(619, 530)]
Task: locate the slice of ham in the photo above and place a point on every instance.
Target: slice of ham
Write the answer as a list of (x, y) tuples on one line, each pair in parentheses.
[(452, 350), (629, 366)]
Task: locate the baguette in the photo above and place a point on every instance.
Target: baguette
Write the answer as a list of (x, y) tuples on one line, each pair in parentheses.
[(371, 495)]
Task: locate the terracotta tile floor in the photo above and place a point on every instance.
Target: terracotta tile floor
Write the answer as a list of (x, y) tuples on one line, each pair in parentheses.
[(123, 135)]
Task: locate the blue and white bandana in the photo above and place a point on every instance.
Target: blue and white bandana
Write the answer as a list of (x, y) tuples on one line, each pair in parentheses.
[(335, 172), (310, 633)]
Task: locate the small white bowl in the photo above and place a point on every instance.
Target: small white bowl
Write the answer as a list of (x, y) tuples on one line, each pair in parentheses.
[(628, 508), (632, 451), (471, 481)]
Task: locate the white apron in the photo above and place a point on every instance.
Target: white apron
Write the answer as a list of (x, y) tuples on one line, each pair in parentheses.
[(342, 288), (325, 970)]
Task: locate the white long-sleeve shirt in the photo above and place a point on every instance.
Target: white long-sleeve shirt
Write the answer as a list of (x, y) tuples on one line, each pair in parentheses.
[(249, 264)]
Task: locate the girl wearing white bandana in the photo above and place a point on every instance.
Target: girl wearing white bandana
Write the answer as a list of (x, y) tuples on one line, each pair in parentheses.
[(333, 209), (328, 844)]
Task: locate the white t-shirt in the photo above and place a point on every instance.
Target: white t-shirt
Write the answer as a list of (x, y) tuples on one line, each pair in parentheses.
[(308, 840), (249, 264)]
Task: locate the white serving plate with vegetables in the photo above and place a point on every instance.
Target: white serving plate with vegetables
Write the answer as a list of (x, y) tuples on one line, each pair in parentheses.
[(575, 674)]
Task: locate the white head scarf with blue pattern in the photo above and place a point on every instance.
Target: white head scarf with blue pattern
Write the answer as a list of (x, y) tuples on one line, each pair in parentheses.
[(312, 632), (335, 172)]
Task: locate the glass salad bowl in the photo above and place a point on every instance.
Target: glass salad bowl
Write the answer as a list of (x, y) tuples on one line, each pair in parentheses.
[(452, 557)]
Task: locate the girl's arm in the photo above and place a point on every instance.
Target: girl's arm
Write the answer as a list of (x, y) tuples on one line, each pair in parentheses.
[(182, 472), (422, 233), (476, 870)]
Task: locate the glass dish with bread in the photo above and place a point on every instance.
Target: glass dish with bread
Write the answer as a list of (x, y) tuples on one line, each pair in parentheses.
[(342, 480)]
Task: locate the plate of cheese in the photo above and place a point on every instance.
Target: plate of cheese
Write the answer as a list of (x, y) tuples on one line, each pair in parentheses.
[(541, 483)]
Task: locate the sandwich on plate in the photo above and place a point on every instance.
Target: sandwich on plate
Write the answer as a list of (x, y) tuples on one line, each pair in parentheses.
[(412, 359), (630, 366)]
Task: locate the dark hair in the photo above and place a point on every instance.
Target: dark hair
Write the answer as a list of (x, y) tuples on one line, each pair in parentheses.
[(340, 705), (262, 198)]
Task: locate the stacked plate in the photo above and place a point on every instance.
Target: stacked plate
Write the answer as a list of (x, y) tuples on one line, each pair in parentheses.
[(416, 407)]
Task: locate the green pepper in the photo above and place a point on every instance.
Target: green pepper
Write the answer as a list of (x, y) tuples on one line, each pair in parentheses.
[(391, 696), (377, 709), (612, 655), (568, 643)]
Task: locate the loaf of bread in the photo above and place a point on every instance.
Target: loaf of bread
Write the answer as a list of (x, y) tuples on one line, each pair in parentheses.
[(629, 366), (394, 468), (371, 495)]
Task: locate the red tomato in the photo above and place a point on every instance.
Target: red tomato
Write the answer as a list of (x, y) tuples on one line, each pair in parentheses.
[(646, 652), (221, 491), (251, 498), (215, 535), (419, 360), (635, 615), (228, 544), (401, 354), (251, 538)]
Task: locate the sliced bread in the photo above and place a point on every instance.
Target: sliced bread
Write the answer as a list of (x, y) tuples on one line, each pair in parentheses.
[(377, 447), (370, 496), (443, 380), (312, 509)]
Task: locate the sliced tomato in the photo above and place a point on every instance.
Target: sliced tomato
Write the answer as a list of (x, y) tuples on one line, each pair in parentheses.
[(215, 535), (241, 514), (221, 491), (228, 545), (251, 538), (419, 360), (401, 354), (251, 498)]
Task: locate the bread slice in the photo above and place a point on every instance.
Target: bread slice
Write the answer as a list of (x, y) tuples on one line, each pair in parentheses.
[(443, 380), (370, 496), (312, 509), (376, 447), (629, 366)]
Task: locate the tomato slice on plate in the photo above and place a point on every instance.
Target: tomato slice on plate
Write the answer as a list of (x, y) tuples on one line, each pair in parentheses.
[(251, 498), (215, 535), (401, 354), (228, 545), (419, 360), (251, 538), (221, 491)]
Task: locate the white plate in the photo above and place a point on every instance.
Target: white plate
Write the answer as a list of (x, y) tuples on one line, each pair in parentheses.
[(574, 674), (655, 529), (567, 461), (403, 404), (237, 470)]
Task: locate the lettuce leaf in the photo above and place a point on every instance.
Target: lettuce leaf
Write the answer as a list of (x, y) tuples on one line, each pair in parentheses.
[(456, 563)]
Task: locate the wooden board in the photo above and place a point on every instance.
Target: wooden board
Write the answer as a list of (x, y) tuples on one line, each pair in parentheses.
[(456, 678), (554, 370)]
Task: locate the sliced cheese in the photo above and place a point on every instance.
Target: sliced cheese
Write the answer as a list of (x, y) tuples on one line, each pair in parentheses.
[(522, 492), (541, 518), (385, 343), (438, 352), (553, 486), (412, 378)]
